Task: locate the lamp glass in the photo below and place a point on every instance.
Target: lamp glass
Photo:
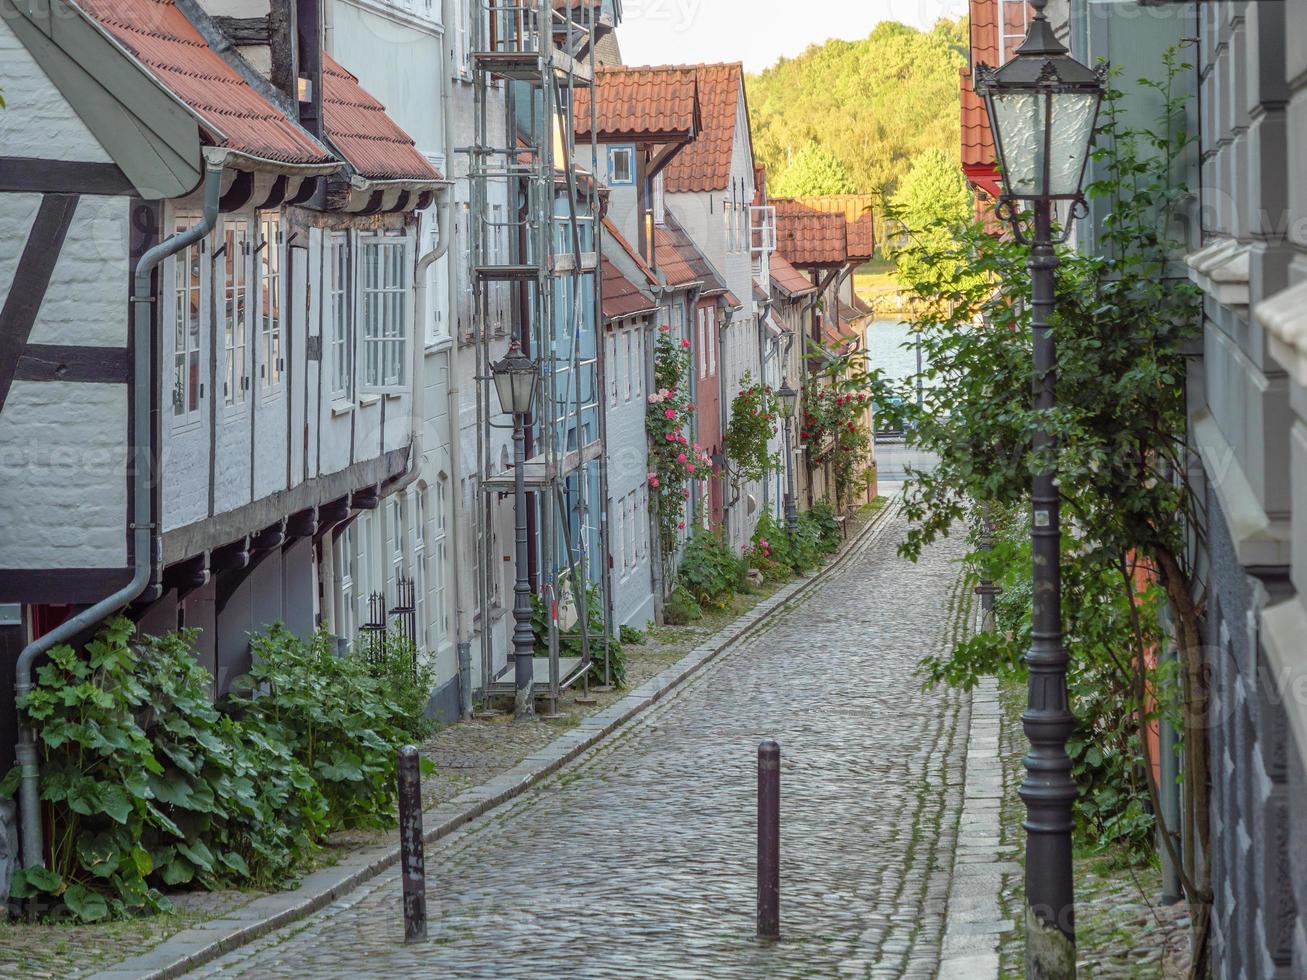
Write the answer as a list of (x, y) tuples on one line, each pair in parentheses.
[(789, 399), (1029, 119), (515, 383)]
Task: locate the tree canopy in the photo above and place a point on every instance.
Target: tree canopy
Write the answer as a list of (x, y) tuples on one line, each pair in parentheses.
[(814, 170), (872, 105)]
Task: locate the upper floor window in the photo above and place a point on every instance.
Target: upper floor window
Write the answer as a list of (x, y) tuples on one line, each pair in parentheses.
[(660, 200), (621, 165), (271, 310), (1013, 21), (342, 319), (235, 312), (187, 387), (384, 300)]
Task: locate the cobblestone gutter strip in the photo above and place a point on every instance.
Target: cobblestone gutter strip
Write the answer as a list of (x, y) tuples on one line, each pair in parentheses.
[(193, 947)]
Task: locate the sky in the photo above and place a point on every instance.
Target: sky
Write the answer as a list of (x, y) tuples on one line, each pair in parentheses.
[(757, 32)]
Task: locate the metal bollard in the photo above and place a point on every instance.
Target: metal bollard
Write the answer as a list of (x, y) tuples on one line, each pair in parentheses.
[(411, 847), (769, 840)]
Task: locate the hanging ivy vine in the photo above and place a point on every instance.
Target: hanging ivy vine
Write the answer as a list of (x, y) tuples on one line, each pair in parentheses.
[(754, 412)]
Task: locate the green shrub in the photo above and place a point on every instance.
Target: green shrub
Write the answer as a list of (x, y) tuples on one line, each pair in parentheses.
[(710, 572), (406, 681), (629, 635), (680, 608), (146, 784), (823, 517), (335, 714), (770, 552)]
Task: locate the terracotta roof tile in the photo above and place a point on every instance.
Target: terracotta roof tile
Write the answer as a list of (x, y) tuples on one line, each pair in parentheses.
[(621, 296), (808, 237), (857, 211), (359, 128), (680, 260), (705, 165), (788, 279), (654, 104), (161, 38)]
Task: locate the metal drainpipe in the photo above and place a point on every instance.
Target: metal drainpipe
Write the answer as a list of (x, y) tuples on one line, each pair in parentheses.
[(143, 530), (724, 421), (762, 379)]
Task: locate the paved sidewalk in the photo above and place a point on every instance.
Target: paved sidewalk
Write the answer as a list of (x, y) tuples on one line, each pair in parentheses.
[(638, 859)]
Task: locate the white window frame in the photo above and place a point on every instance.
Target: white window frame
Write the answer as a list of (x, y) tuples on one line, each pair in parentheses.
[(439, 557), (237, 313), (628, 151), (271, 270), (1004, 36), (636, 362), (341, 343), (610, 343), (660, 200), (188, 322), (382, 316), (620, 557), (346, 559)]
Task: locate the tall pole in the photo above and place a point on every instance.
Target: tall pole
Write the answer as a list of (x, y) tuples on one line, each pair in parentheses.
[(1048, 789), (523, 636), (791, 511)]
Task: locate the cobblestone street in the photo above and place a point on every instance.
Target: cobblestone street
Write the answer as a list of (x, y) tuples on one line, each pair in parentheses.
[(638, 860)]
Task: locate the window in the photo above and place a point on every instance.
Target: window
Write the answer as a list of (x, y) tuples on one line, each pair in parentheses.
[(462, 53), (619, 539), (1014, 21), (338, 301), (626, 363), (635, 364), (629, 508), (270, 311), (660, 200), (710, 327), (347, 562), (642, 512), (610, 352), (235, 295), (621, 165), (439, 558), (187, 388), (384, 295), (396, 548), (728, 226)]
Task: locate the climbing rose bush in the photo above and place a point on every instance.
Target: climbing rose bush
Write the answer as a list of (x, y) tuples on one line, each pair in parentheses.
[(673, 460)]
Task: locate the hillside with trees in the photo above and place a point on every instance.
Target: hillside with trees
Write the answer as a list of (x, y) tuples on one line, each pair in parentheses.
[(854, 115)]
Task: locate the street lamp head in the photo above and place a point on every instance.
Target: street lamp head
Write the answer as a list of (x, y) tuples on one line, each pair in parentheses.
[(515, 381), (789, 399), (1042, 107)]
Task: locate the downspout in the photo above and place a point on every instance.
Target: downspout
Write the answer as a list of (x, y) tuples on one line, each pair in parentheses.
[(143, 529), (723, 415), (766, 306)]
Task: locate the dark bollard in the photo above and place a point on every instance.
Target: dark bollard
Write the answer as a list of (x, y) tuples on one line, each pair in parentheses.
[(769, 840), (411, 855)]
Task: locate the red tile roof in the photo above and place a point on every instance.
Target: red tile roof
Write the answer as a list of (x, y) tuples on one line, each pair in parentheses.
[(659, 105), (788, 279), (621, 296), (857, 211), (705, 165), (680, 260), (161, 38), (809, 237), (359, 128)]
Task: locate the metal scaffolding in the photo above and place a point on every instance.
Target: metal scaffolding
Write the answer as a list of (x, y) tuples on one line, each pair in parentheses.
[(536, 54)]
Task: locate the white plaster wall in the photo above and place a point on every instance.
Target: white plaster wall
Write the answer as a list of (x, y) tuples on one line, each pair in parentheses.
[(628, 467), (63, 478), (38, 121), (86, 302), (17, 212)]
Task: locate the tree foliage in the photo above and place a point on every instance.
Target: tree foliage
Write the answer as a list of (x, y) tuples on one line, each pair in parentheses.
[(931, 204), (872, 105), (814, 170)]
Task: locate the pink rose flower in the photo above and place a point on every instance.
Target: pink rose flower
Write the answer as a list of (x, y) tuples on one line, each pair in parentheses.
[(689, 466), (680, 526), (685, 343), (680, 457), (697, 447), (670, 413), (664, 328), (654, 399), (671, 437)]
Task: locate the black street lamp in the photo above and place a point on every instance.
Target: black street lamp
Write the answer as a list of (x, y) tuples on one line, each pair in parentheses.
[(515, 382), (1042, 106), (789, 400)]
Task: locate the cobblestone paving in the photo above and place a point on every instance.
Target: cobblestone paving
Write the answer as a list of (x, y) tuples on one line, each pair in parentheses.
[(638, 860)]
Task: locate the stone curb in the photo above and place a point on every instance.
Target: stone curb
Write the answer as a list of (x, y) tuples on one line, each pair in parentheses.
[(191, 948)]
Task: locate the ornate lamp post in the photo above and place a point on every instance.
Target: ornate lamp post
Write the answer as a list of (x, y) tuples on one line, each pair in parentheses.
[(789, 399), (515, 383), (1042, 106)]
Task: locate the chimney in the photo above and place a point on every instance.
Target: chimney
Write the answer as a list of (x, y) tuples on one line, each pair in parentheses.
[(308, 36)]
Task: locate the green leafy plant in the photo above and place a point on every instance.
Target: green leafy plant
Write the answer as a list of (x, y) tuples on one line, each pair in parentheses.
[(754, 414), (630, 636), (145, 784), (710, 572), (335, 714), (833, 426), (680, 608)]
